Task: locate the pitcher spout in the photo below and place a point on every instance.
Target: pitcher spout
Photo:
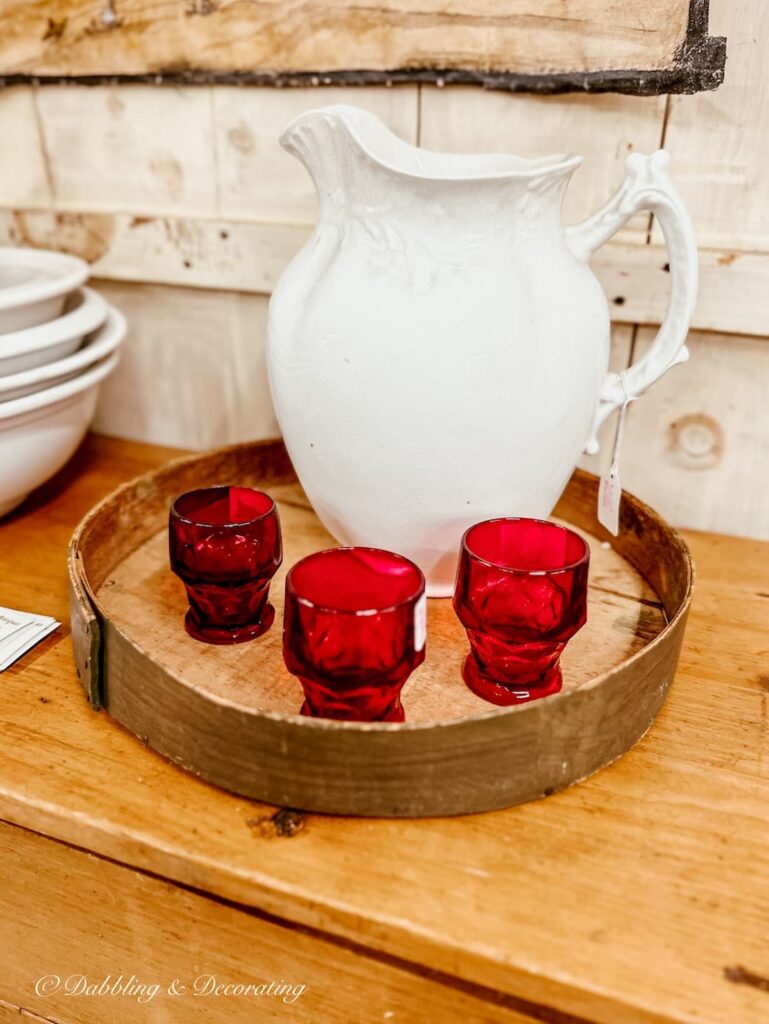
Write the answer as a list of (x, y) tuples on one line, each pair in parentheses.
[(311, 129), (336, 140), (326, 142)]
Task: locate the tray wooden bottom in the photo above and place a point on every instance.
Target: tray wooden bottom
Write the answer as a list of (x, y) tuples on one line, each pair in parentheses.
[(143, 598)]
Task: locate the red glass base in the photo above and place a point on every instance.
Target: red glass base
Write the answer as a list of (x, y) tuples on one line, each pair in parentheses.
[(347, 713), (507, 694), (224, 635)]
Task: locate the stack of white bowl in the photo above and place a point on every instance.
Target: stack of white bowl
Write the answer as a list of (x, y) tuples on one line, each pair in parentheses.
[(58, 341)]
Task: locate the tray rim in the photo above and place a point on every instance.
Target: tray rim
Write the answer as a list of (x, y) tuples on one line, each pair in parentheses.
[(91, 636)]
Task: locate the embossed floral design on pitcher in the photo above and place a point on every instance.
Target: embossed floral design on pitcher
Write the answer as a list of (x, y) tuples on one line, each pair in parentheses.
[(438, 350)]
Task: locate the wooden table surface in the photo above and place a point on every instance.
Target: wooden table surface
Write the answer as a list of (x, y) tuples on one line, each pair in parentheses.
[(641, 895)]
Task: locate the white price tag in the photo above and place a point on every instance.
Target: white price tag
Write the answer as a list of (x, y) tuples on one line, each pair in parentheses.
[(420, 623), (609, 497)]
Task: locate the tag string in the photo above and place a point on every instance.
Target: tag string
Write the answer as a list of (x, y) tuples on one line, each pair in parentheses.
[(620, 433)]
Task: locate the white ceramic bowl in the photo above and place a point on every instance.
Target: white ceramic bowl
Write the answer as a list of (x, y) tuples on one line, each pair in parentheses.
[(23, 350), (101, 344), (38, 433), (34, 284)]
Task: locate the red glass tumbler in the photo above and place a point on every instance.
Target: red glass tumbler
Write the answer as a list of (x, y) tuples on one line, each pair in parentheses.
[(354, 631), (225, 546), (521, 594)]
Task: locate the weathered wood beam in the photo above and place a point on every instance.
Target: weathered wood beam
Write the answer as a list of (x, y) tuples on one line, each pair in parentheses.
[(641, 47)]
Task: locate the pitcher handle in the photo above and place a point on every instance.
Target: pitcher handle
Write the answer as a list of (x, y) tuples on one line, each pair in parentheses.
[(646, 187)]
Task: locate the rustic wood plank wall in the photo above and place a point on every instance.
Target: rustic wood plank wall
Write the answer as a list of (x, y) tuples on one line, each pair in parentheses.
[(188, 210)]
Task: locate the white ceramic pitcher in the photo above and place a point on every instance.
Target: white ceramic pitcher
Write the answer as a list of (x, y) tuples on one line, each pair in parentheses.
[(438, 351)]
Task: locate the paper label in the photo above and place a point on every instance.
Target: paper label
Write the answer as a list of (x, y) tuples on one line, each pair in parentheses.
[(19, 632), (609, 497), (11, 622), (420, 623), (609, 487)]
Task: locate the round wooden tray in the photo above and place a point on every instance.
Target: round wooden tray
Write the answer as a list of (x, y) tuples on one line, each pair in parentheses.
[(230, 714)]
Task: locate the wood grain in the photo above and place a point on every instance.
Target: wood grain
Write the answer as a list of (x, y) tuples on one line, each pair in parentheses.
[(192, 372), (72, 37), (138, 154), (18, 1015), (24, 179), (719, 146), (697, 445), (258, 180), (622, 900), (194, 152), (469, 121), (69, 914), (733, 287)]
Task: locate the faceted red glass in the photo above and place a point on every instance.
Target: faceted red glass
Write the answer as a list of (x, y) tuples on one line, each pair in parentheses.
[(521, 594), (225, 546), (354, 631)]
